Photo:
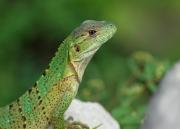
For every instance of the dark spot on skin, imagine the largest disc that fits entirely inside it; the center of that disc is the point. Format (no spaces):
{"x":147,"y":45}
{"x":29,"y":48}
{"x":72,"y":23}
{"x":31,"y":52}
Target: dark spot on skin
{"x":92,"y":32}
{"x":10,"y":106}
{"x":77,"y":48}
{"x":20,"y":109}
{"x":43,"y":108}
{"x":29,"y":91}
{"x":40,"y":102}
{"x":39,"y":97}
{"x":45,"y":72}
{"x":23,"y":118}
{"x":18,"y":101}
{"x":24,"y":126}
{"x":37,"y":91}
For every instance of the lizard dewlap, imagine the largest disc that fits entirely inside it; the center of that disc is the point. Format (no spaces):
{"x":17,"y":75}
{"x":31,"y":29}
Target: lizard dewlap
{"x":48,"y":99}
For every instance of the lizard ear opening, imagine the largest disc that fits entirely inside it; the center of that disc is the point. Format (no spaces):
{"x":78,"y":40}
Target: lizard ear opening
{"x":77,"y":48}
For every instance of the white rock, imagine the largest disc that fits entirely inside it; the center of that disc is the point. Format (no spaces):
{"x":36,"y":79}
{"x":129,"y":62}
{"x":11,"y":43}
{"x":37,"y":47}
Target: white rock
{"x":164,"y":109}
{"x":92,"y":114}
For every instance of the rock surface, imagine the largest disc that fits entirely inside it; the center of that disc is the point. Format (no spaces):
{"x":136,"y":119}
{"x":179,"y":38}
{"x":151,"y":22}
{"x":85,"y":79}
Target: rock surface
{"x":164,"y":108}
{"x":92,"y":114}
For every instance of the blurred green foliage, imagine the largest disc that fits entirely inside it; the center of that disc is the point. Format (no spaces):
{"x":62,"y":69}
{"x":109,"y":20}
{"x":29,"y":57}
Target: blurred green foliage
{"x":30,"y":32}
{"x":125,"y":93}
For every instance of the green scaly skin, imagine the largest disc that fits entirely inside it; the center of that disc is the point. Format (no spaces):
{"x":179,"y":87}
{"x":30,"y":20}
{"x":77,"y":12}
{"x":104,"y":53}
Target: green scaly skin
{"x":46,"y":102}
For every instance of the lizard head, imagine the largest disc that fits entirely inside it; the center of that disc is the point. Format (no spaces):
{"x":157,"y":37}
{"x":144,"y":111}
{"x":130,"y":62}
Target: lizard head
{"x":86,"y":40}
{"x":88,"y":37}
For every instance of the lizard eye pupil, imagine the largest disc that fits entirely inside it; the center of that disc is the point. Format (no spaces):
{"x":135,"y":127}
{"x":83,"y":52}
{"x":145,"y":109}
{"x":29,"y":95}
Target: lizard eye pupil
{"x":92,"y":32}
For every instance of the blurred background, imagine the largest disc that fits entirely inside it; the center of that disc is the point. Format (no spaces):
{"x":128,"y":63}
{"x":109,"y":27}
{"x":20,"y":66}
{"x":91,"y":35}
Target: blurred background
{"x":124,"y":73}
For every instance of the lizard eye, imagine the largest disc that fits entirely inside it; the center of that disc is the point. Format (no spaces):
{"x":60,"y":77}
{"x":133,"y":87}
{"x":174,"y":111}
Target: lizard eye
{"x":77,"y":48}
{"x":92,"y":32}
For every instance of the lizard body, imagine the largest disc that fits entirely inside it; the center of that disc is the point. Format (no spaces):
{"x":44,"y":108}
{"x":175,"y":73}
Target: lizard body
{"x":46,"y":102}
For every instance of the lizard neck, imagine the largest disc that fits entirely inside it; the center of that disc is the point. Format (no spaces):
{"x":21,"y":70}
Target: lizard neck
{"x":56,"y":69}
{"x":71,"y":71}
{"x":80,"y":66}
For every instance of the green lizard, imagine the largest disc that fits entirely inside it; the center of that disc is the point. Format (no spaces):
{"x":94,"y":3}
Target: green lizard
{"x":46,"y":102}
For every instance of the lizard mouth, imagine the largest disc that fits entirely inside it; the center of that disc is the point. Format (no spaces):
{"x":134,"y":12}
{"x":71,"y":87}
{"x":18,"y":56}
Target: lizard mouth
{"x":90,"y":52}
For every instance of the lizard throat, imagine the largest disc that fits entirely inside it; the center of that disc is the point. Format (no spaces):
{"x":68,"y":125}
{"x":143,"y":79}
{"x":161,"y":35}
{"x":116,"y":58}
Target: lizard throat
{"x":80,"y":66}
{"x":75,"y":72}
